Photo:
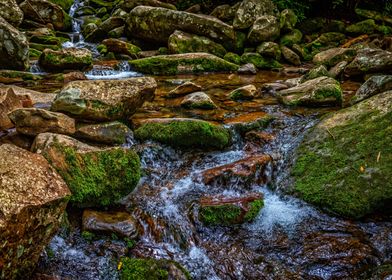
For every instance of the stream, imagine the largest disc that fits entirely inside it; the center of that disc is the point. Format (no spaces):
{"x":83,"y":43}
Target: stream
{"x":288,"y":240}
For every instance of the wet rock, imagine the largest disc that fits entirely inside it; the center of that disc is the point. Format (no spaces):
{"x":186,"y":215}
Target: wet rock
{"x":370,"y":61}
{"x":152,"y":269}
{"x":259,"y":61}
{"x":120,"y":223}
{"x":101,"y":31}
{"x":106,"y":133}
{"x":188,"y":63}
{"x":44,"y":12}
{"x":33,"y":198}
{"x":121,"y":47}
{"x":66,"y":59}
{"x":245,"y":172}
{"x":104,"y":100}
{"x":129,"y":5}
{"x":337,"y":71}
{"x":259,"y":137}
{"x":33,"y":121}
{"x":13,"y":76}
{"x":363,"y":27}
{"x":247,"y":69}
{"x":9,"y":101}
{"x":181,"y":42}
{"x":316,"y":72}
{"x":333,"y":56}
{"x":288,"y":20}
{"x":326,"y":41}
{"x":184,"y":89}
{"x":249,"y":121}
{"x":225,"y":12}
{"x":272,"y":88}
{"x":374,"y":85}
{"x":11,"y":12}
{"x":233,"y":58}
{"x":270,"y":49}
{"x":229,"y":211}
{"x":184,"y":133}
{"x":198,"y":100}
{"x":265,"y":28}
{"x":14,"y":47}
{"x":244,"y":93}
{"x":290,"y":56}
{"x":291,"y":38}
{"x":322,"y":91}
{"x":162,"y":23}
{"x":73,"y":76}
{"x":96,"y":177}
{"x":250,"y":10}
{"x":351,"y":149}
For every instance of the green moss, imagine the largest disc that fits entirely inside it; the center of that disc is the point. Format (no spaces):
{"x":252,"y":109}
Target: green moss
{"x":185,"y":134}
{"x":254,"y":210}
{"x":328,"y":172}
{"x":98,"y":178}
{"x":89,"y":236}
{"x":233,"y":58}
{"x":363,"y":27}
{"x":59,"y":61}
{"x":137,"y":269}
{"x":42,"y":47}
{"x":260,"y":61}
{"x":33,"y":53}
{"x":294,"y":37}
{"x":48,"y":40}
{"x":65,"y":4}
{"x":25,"y":76}
{"x":173,"y":65}
{"x":102,"y":49}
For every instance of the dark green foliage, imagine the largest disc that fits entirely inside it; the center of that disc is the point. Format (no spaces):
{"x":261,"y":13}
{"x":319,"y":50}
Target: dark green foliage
{"x":186,"y":134}
{"x":328,"y":172}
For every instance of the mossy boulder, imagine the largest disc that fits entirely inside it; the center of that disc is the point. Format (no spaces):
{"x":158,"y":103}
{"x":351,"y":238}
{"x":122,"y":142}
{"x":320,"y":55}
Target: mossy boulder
{"x":157,"y":24}
{"x":104,"y":100}
{"x":250,"y":10}
{"x":181,"y":42}
{"x":264,"y":29}
{"x":121,"y":47}
{"x":368,"y":26}
{"x":230,"y":211}
{"x":233,"y":58}
{"x":132,"y":269}
{"x":106,"y":133}
{"x":184,"y":133}
{"x":270,"y":49}
{"x":182,"y":64}
{"x":315,"y":72}
{"x":345,"y":162}
{"x":33,"y":198}
{"x":288,"y":20}
{"x":198,"y":100}
{"x":374,"y":85}
{"x":291,"y":38}
{"x":66,"y":59}
{"x":260,"y":61}
{"x":12,"y":76}
{"x":11,"y":12}
{"x":371,"y":14}
{"x":325,"y":41}
{"x":14,"y":47}
{"x":101,"y":30}
{"x":370,"y":61}
{"x":333,"y":56}
{"x":44,"y":12}
{"x":96,"y":177}
{"x":322,"y":91}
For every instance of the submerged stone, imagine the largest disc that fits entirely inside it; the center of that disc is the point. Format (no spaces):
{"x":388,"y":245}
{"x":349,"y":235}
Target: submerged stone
{"x":184,"y":133}
{"x":198,"y":100}
{"x":107,"y":133}
{"x":183,"y":89}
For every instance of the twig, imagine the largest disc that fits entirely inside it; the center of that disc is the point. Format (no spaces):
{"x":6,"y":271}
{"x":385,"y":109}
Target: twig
{"x":330,"y":133}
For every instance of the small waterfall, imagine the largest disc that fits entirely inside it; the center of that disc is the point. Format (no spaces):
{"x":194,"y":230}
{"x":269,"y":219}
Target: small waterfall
{"x":103,"y":72}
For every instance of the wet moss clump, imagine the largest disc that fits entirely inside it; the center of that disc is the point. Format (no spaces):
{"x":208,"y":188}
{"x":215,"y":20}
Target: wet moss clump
{"x":260,"y":61}
{"x":185,"y":134}
{"x":97,"y":178}
{"x":346,"y":168}
{"x":135,"y":269}
{"x":229,"y":214}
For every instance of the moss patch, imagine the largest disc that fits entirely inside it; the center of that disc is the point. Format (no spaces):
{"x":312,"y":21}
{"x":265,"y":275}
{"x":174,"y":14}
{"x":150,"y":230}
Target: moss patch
{"x":348,"y":170}
{"x":185,"y":134}
{"x":260,"y":61}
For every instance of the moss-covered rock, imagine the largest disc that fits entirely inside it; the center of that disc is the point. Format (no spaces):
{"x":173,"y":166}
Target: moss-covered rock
{"x":198,"y":100}
{"x":333,"y":56}
{"x":264,"y":29}
{"x":101,"y":31}
{"x":65,"y":59}
{"x":184,"y":133}
{"x":182,"y":64}
{"x":120,"y":47}
{"x":229,"y":211}
{"x":107,"y":133}
{"x":368,"y":26}
{"x":270,"y":49}
{"x":233,"y":58}
{"x":244,"y":93}
{"x":11,"y":76}
{"x":260,"y":61}
{"x":104,"y":100}
{"x":322,"y":91}
{"x":345,"y":162}
{"x":96,"y":177}
{"x":250,"y":10}
{"x":291,"y":38}
{"x":181,"y":42}
{"x":316,"y":72}
{"x":370,"y":61}
{"x":288,"y":20}
{"x":133,"y":269}
{"x":129,"y":5}
{"x":11,"y":12}
{"x":65,"y":4}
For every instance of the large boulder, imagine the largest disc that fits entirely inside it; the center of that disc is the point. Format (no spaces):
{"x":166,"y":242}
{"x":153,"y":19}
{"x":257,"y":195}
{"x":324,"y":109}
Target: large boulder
{"x":265,"y":28}
{"x":66,"y":59}
{"x":184,"y":133}
{"x":11,"y":12}
{"x":129,"y":5}
{"x":157,"y":24}
{"x":333,"y":56}
{"x":187,"y":63}
{"x":370,"y":61}
{"x":181,"y":42}
{"x":9,"y":101}
{"x":121,"y":47}
{"x":96,"y":177}
{"x":106,"y":133}
{"x":33,"y":121}
{"x":14,"y":47}
{"x":250,"y":10}
{"x":44,"y":12}
{"x":33,"y":198}
{"x":98,"y":33}
{"x":104,"y":100}
{"x":345,"y":162}
{"x":322,"y":91}
{"x":374,"y":85}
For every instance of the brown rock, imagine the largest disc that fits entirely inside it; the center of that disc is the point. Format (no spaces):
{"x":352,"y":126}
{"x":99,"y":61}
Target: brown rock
{"x":184,"y":89}
{"x":9,"y":101}
{"x":33,"y":198}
